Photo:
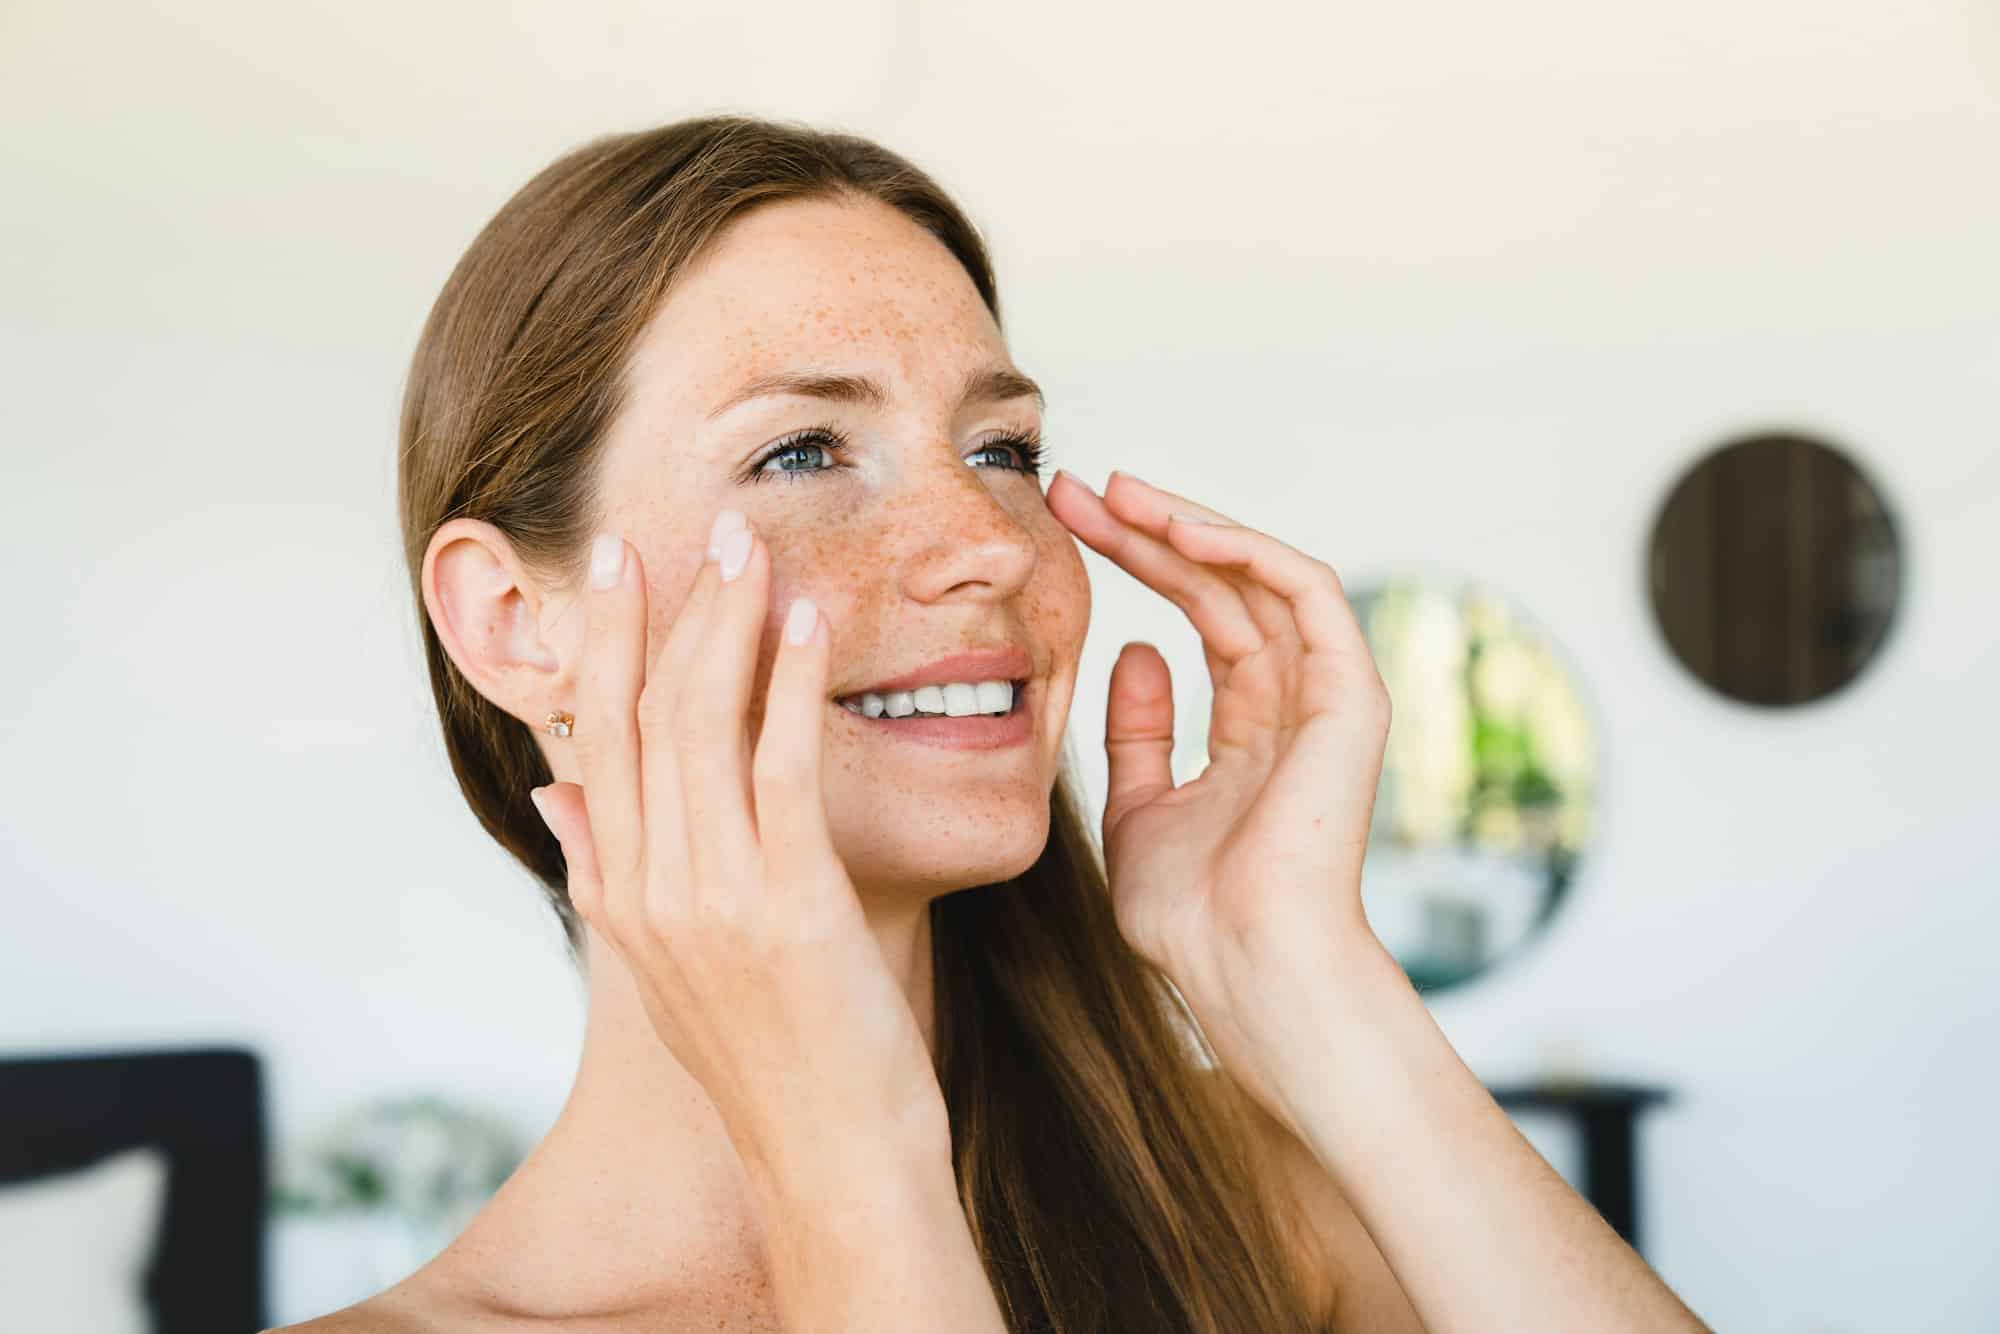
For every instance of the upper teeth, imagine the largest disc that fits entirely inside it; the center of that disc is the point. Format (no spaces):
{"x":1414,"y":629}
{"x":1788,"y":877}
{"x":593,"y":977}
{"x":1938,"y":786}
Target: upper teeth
{"x":954,"y":700}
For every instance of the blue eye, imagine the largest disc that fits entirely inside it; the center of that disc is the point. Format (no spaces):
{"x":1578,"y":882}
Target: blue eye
{"x":827,"y":439}
{"x":1027,"y":448}
{"x":824,"y":439}
{"x":783,"y":455}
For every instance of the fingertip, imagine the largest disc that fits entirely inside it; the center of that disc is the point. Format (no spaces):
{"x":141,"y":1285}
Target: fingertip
{"x":607,"y":560}
{"x":1078,"y":482}
{"x":539,"y":795}
{"x":563,"y":808}
{"x":801,"y":621}
{"x":734,"y":551}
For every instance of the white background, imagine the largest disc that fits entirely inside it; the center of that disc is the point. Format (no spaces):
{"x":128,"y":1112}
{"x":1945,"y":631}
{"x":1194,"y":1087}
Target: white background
{"x":1456,"y":288}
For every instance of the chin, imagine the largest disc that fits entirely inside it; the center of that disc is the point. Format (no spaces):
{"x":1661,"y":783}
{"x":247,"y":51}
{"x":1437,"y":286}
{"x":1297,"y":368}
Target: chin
{"x":933,"y":857}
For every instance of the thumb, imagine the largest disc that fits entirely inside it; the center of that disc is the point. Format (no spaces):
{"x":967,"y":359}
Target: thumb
{"x":1138,"y":732}
{"x":563,"y":811}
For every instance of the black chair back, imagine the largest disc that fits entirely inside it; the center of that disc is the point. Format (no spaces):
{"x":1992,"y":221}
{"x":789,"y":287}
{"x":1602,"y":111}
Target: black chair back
{"x":204,"y":1108}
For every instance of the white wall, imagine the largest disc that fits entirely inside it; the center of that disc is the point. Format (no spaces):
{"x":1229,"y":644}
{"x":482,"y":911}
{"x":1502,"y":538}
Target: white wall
{"x":1458,"y":288}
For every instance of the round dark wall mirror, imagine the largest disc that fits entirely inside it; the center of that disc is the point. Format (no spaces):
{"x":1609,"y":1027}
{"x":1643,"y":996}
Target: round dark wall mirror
{"x":1775,"y":570}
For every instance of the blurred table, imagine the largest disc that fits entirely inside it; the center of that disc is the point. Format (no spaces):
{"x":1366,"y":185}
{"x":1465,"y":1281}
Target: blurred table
{"x":1605,"y":1116}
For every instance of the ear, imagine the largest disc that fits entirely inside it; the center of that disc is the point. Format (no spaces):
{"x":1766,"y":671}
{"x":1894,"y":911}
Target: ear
{"x":489,"y":614}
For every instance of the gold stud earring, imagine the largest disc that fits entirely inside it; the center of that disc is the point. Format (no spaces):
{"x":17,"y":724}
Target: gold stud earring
{"x":559,"y":723}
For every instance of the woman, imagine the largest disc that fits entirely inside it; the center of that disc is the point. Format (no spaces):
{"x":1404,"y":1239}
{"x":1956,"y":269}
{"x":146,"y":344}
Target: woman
{"x":715,"y":476}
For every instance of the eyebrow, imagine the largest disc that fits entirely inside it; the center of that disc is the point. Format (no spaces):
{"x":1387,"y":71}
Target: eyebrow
{"x":992,"y":385}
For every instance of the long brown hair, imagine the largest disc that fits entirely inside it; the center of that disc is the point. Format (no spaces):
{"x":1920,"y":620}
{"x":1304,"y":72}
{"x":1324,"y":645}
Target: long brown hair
{"x":1109,"y":1181}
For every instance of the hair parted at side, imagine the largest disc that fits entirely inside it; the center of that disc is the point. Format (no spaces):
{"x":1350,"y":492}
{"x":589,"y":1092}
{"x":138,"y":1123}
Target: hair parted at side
{"x":1107,"y":1178}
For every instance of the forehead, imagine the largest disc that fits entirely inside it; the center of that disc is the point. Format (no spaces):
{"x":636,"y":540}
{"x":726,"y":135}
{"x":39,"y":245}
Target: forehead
{"x":843,"y":285}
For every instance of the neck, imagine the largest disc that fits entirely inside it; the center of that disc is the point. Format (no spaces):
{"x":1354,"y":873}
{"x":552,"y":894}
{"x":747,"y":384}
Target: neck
{"x":636,"y":1194}
{"x":624,"y":1062}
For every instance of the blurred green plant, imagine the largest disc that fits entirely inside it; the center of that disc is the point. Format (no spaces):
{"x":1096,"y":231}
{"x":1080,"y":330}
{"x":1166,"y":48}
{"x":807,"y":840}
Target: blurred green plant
{"x":417,"y":1157}
{"x":1499,"y":751}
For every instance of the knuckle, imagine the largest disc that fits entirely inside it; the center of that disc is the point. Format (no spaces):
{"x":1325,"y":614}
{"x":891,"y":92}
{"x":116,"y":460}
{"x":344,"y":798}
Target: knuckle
{"x":655,"y":705}
{"x":688,"y":729}
{"x":1381,"y":708}
{"x":662,"y":910}
{"x":686,"y":723}
{"x":1208,"y":600}
{"x":718,"y":911}
{"x":615,"y":919}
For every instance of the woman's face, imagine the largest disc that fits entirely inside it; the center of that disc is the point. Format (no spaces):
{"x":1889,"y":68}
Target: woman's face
{"x":920,"y":536}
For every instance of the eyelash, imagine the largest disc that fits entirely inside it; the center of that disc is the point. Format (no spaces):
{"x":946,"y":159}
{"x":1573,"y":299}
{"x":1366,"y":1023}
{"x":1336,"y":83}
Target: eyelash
{"x":829,"y":438}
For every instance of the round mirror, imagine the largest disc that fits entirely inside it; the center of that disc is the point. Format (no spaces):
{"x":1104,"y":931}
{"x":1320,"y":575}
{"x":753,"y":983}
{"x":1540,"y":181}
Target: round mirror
{"x":1489,"y":779}
{"x":1775,"y":570}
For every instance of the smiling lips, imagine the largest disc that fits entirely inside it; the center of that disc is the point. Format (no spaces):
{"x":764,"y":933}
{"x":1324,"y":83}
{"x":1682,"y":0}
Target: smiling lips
{"x":967,"y":701}
{"x":973,"y":731}
{"x":998,"y":662}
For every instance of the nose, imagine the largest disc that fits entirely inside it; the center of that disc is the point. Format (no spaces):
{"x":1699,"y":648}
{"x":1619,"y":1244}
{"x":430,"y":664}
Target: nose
{"x":969,"y":542}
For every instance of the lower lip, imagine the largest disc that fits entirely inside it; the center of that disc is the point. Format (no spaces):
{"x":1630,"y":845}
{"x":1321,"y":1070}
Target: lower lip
{"x":978,"y":731}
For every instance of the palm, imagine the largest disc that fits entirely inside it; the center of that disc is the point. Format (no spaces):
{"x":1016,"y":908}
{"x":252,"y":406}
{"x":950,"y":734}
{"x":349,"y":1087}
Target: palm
{"x":1258,"y":859}
{"x":1285,"y":801}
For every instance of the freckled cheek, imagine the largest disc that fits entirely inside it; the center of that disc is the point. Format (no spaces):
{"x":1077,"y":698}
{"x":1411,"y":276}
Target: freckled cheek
{"x":1061,"y":606}
{"x":827,"y":568}
{"x":663,"y":610}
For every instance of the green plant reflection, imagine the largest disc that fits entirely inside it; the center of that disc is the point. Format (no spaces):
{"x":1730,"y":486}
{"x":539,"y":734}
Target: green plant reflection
{"x":1488,"y":782}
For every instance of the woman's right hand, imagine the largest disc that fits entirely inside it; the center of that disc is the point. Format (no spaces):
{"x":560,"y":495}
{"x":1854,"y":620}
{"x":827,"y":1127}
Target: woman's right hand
{"x":704,"y":859}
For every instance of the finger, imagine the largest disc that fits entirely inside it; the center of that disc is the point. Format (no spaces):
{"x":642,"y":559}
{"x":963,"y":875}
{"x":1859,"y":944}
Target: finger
{"x":711,"y":726}
{"x":562,"y":809}
{"x":1309,"y":586}
{"x":1208,"y":599}
{"x":606,"y":732}
{"x":660,"y":705}
{"x":785,"y":771}
{"x":1147,"y":508}
{"x":1138,"y":732}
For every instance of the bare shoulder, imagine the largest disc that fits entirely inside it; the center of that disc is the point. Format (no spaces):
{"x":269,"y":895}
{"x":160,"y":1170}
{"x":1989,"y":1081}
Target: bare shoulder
{"x":442,"y":1299}
{"x":360,"y":1318}
{"x":399,"y":1310}
{"x":1351,"y":1279}
{"x":365,"y":1317}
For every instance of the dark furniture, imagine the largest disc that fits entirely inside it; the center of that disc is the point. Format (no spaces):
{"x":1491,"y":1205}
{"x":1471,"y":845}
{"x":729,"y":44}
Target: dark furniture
{"x":204,"y":1108}
{"x":1606,"y":1114}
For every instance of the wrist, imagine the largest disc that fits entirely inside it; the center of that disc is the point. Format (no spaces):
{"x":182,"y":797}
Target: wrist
{"x":1375,"y":1071}
{"x":1305,"y":1027}
{"x":826,"y":1171}
{"x":1290,"y":999}
{"x":861,"y":1213}
{"x":870,"y":1233}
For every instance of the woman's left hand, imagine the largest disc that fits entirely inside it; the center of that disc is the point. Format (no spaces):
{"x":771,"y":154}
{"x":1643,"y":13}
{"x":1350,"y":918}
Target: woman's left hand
{"x":1248,"y":876}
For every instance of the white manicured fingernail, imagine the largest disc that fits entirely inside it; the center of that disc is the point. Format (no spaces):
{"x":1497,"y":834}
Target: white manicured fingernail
{"x":607,"y":559}
{"x":725,"y":520}
{"x":799,"y":621}
{"x":735,"y":552}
